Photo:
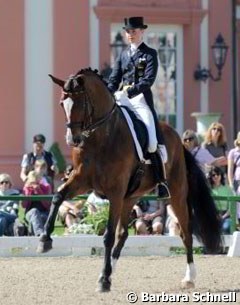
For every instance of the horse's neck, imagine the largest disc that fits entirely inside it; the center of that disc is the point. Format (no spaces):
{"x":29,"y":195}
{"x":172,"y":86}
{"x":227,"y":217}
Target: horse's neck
{"x":108,"y":133}
{"x":103,"y":104}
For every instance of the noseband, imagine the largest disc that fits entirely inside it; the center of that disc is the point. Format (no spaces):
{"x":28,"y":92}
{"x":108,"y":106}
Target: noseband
{"x":87,"y":126}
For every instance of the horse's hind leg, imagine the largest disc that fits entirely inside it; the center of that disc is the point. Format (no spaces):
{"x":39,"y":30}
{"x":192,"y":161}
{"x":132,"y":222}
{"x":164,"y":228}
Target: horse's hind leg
{"x":122,"y":231}
{"x":182,"y":214}
{"x":190,"y":275}
{"x":104,"y":281}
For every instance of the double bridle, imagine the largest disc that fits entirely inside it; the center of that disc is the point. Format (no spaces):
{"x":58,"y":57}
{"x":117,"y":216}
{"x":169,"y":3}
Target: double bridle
{"x":87,"y":126}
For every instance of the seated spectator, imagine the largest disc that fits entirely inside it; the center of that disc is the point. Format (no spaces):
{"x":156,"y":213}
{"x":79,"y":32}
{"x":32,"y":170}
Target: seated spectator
{"x":36,"y":212}
{"x":40,"y":167}
{"x":172,"y":225}
{"x":70,"y":213}
{"x":8,"y":208}
{"x":95,"y":203}
{"x":219,"y":188}
{"x":39,"y":153}
{"x":215,"y":141}
{"x":202,"y":155}
{"x":150,"y":217}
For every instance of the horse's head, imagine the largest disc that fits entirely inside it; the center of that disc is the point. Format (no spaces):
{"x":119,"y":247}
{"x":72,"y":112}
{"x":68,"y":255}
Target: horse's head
{"x":79,"y":95}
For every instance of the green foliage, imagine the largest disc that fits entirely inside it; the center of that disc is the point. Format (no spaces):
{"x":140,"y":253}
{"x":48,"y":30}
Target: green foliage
{"x":56,"y":151}
{"x":98,"y":220}
{"x":181,"y":250}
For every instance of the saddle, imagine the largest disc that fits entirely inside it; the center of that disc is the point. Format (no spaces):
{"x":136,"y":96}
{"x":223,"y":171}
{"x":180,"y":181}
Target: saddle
{"x":140,"y":130}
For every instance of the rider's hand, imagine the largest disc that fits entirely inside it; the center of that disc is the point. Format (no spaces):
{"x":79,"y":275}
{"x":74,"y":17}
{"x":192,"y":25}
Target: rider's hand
{"x":125,"y":88}
{"x":120,"y":95}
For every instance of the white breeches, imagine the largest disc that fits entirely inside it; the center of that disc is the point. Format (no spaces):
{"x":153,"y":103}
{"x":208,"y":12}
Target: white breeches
{"x":139,"y":106}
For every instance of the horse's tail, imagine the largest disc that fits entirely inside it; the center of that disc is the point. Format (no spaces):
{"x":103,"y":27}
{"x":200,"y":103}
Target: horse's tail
{"x":205,"y":221}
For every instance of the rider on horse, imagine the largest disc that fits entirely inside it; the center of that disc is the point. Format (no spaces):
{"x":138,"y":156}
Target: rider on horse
{"x":136,"y":68}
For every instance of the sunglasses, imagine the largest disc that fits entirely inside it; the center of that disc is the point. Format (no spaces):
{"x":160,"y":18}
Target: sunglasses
{"x":4,"y":182}
{"x":188,"y":139}
{"x":215,"y":175}
{"x":217,"y":129}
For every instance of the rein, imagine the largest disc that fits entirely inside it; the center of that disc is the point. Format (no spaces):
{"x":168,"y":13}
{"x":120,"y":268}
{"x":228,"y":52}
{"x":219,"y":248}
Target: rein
{"x":92,"y":127}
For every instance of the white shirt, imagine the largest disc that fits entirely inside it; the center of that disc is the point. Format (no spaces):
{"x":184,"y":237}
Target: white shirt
{"x":96,"y":200}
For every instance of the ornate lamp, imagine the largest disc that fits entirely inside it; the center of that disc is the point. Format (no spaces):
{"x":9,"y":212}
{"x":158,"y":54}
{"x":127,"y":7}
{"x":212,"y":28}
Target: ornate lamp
{"x":219,"y":52}
{"x":165,"y":53}
{"x":118,"y":45}
{"x":116,"y":48}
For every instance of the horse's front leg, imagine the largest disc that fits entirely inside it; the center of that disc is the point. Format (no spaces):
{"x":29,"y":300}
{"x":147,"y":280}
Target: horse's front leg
{"x":45,"y":242}
{"x":104,"y":281}
{"x":68,"y":188}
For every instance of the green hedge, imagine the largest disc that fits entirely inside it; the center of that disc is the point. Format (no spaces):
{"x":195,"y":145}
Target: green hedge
{"x":56,"y":151}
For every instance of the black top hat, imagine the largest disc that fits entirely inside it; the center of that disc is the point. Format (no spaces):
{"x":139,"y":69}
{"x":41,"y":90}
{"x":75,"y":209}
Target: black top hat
{"x":39,"y":138}
{"x":134,"y":23}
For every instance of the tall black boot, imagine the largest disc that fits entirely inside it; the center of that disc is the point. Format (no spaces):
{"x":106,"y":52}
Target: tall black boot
{"x":160,"y":175}
{"x":162,"y":150}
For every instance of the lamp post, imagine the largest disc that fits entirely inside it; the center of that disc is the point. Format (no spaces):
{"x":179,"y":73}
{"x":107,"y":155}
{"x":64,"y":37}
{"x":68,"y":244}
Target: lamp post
{"x":165,"y":54}
{"x":219,"y":52}
{"x":116,"y":48}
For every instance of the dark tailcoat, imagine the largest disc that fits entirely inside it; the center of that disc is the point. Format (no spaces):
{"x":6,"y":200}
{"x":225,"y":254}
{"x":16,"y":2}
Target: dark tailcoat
{"x":139,"y":71}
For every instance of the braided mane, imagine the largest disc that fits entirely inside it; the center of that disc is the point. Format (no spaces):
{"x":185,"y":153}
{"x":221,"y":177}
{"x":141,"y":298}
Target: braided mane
{"x":95,"y":71}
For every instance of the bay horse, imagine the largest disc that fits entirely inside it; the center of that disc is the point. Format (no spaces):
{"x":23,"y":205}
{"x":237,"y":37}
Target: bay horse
{"x":105,"y":160}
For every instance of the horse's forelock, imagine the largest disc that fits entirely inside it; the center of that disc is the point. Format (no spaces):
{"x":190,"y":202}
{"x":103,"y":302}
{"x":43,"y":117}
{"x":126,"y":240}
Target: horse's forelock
{"x":72,"y":83}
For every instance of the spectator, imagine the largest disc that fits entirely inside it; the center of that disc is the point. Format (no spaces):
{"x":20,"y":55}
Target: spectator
{"x":36,"y":212}
{"x":150,"y":217}
{"x":38,"y":153}
{"x":172,"y":225}
{"x":40,"y":167}
{"x":8,"y":208}
{"x":234,"y":165}
{"x":202,"y":155}
{"x":95,"y":202}
{"x":70,"y":213}
{"x":219,"y":188}
{"x":215,"y":142}
{"x":234,"y":170}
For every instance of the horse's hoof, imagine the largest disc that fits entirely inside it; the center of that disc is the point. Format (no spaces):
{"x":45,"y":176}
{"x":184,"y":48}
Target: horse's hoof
{"x":44,"y":245}
{"x":104,"y":284}
{"x":187,"y":284}
{"x":104,"y":287}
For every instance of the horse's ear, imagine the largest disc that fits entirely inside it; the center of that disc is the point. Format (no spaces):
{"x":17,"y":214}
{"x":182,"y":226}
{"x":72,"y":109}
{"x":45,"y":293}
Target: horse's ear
{"x":57,"y":81}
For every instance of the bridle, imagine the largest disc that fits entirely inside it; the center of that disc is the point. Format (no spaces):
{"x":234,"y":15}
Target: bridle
{"x":87,"y":126}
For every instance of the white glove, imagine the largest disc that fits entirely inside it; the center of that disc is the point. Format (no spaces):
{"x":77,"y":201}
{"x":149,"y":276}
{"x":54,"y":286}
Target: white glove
{"x":120,"y":95}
